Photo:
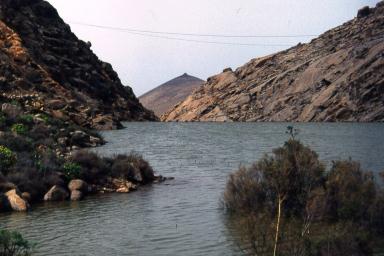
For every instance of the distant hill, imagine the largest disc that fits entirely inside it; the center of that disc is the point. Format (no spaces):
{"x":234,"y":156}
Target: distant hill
{"x":164,"y":97}
{"x":338,"y":76}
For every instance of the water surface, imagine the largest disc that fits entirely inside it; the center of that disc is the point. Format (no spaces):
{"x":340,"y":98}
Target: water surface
{"x":183,"y":216}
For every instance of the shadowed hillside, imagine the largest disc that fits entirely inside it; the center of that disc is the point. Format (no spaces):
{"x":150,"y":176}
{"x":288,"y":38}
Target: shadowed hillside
{"x":45,"y":66}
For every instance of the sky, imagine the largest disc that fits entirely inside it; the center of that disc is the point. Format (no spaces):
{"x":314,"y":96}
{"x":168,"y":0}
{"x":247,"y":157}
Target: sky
{"x":144,"y":62}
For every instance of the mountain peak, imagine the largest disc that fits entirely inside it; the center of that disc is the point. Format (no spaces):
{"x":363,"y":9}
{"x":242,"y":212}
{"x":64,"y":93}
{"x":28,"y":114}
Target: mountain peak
{"x":165,"y":96}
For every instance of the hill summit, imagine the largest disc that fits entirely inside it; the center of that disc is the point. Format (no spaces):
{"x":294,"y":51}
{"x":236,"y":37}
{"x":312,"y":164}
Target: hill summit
{"x":164,"y":97}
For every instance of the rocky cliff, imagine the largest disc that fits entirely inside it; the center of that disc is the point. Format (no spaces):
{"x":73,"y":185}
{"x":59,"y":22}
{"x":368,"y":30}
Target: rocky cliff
{"x":164,"y":97}
{"x":47,"y":68}
{"x":338,"y":76}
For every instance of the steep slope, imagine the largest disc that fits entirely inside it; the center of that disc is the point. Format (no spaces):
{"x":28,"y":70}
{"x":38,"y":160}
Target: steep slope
{"x":164,"y":97}
{"x":44,"y":65}
{"x":338,"y":76}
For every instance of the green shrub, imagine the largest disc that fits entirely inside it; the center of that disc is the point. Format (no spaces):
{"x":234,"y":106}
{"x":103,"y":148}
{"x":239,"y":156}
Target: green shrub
{"x":7,"y":159}
{"x":26,"y":119}
{"x":19,"y":129}
{"x":16,"y":143}
{"x":45,"y":117}
{"x":287,"y":203}
{"x":12,"y":243}
{"x":72,"y":170}
{"x":288,"y":175}
{"x":350,"y":191}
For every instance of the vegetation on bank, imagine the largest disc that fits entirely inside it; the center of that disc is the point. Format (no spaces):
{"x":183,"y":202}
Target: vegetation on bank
{"x":12,"y":243}
{"x":288,"y":204}
{"x":39,"y":152}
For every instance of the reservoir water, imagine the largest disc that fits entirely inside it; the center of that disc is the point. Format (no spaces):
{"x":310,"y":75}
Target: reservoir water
{"x":181,"y":216}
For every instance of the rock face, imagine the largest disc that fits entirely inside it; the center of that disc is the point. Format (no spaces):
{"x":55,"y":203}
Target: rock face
{"x":338,"y":76}
{"x":78,"y":189}
{"x":56,"y":193}
{"x":43,"y":64}
{"x":164,"y":97}
{"x":15,"y":201}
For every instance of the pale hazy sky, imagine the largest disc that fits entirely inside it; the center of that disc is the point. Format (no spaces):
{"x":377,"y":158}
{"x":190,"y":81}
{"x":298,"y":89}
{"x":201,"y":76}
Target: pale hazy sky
{"x":146,"y":62}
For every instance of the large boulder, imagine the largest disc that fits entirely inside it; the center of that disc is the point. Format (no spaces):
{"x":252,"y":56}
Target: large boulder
{"x":56,"y":104}
{"x":15,"y":201}
{"x":103,"y":122}
{"x":26,"y":196}
{"x":6,"y":186}
{"x":79,"y":185}
{"x":363,"y":12}
{"x":76,"y":195}
{"x":56,"y":193}
{"x":80,"y":138}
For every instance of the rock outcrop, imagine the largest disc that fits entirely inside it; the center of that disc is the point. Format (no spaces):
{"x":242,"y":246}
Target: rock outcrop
{"x":164,"y":97}
{"x":338,"y":76}
{"x":45,"y":66}
{"x":56,"y":193}
{"x":15,"y":201}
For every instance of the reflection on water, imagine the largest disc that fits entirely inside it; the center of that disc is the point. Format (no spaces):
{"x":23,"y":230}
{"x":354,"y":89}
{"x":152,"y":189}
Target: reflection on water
{"x":182,"y":216}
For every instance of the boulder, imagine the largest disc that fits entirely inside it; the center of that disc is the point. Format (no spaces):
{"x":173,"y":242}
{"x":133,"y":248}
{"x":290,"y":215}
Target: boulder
{"x":56,"y":104}
{"x":95,"y":141}
{"x":6,"y":186}
{"x":15,"y":201}
{"x":59,"y":114}
{"x":63,"y":141}
{"x":123,"y":186}
{"x":76,"y":195}
{"x":363,"y":12}
{"x":56,"y":193}
{"x":79,"y":185}
{"x":103,"y":122}
{"x":26,"y":196}
{"x":11,"y":110}
{"x":80,"y":138}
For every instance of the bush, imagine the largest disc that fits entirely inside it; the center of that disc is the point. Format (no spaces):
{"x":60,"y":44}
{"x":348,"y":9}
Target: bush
{"x":94,"y":169}
{"x":288,"y":205}
{"x":72,"y":170}
{"x":16,"y":143}
{"x":132,"y":167}
{"x":350,"y":192}
{"x":289,"y":175}
{"x":7,"y":159}
{"x":26,"y":119}
{"x":34,"y":182}
{"x":12,"y":243}
{"x":19,"y":129}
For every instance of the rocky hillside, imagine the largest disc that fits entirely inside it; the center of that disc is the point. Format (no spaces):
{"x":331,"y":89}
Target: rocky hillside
{"x":164,"y":97}
{"x":338,"y":76}
{"x":47,"y":68}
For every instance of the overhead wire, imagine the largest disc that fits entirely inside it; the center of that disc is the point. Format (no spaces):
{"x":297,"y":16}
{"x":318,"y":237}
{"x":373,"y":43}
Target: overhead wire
{"x":167,"y":35}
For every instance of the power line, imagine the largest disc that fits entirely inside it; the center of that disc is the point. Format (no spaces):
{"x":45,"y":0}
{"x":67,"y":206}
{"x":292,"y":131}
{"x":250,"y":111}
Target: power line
{"x":207,"y":42}
{"x":191,"y":34}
